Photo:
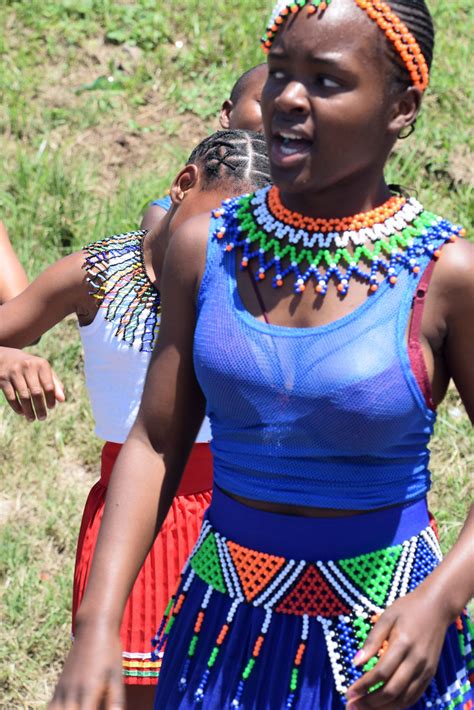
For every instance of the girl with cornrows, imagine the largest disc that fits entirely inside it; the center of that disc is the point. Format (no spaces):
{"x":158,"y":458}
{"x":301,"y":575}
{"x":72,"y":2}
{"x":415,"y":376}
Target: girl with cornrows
{"x":240,"y":111}
{"x":112,"y":287}
{"x":316,"y":581}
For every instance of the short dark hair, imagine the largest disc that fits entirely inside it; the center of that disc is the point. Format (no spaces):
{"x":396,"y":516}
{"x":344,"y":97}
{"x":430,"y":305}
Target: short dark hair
{"x":235,"y":155}
{"x":241,"y":84}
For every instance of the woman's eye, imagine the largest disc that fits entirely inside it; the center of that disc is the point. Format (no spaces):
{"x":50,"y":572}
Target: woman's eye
{"x":328,"y":83}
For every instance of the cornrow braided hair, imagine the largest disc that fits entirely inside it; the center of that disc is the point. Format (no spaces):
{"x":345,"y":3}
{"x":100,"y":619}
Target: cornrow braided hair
{"x":236,"y":155}
{"x":417,"y":18}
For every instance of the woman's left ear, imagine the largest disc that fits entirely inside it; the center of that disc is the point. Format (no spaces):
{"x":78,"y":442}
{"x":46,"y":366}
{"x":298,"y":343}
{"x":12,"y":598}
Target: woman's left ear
{"x":405,"y":110}
{"x":186,"y":179}
{"x":224,"y":116}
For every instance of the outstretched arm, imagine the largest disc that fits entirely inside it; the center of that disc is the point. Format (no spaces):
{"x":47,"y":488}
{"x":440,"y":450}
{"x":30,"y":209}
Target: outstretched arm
{"x":12,"y":275}
{"x":60,"y":290}
{"x":143,"y":483}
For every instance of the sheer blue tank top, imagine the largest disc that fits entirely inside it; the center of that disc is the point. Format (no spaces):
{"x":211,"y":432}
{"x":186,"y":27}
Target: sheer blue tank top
{"x":328,"y":417}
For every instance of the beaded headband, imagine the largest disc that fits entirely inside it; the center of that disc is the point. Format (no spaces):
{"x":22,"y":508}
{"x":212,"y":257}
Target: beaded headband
{"x":380,"y":12}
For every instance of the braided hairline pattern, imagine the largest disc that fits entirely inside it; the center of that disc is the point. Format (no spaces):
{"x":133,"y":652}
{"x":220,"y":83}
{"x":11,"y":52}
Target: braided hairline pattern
{"x":414,"y":14}
{"x":236,"y":155}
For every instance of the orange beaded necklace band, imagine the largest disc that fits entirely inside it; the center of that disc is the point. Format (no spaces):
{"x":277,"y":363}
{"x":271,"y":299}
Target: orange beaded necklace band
{"x":380,"y":12}
{"x":356,"y":222}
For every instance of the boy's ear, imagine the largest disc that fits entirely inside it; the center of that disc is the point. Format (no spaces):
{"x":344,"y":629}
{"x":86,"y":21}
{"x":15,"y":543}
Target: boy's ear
{"x":224,"y":117}
{"x":405,"y":109}
{"x":186,"y":179}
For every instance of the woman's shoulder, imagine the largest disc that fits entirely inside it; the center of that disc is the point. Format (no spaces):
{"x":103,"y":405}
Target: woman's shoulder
{"x":451,"y":291}
{"x":192,"y":236}
{"x":455,"y":268}
{"x":187,"y":250}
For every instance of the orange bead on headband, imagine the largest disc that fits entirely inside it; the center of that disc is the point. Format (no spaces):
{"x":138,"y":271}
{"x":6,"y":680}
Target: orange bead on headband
{"x":380,"y":12}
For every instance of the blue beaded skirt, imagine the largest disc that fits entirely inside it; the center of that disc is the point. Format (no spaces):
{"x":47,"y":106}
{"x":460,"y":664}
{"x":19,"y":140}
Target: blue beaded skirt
{"x":271,"y":609}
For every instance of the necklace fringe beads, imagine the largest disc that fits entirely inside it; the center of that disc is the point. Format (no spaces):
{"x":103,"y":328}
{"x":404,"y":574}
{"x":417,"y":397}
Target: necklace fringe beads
{"x":117,"y":278}
{"x":371,"y":246}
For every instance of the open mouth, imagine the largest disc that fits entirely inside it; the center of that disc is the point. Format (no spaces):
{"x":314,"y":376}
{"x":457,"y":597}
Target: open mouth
{"x":289,"y":147}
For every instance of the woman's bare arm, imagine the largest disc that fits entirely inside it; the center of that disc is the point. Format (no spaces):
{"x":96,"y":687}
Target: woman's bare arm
{"x":60,"y":290}
{"x":415,"y":625}
{"x":13,"y":279}
{"x":457,"y":301}
{"x":144,"y":480}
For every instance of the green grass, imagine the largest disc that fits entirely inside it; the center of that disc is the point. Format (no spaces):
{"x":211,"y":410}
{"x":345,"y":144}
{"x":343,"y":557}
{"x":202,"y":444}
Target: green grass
{"x":82,"y":156}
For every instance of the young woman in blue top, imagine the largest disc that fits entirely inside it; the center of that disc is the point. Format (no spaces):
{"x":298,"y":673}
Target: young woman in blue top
{"x":240,"y":111}
{"x":316,"y":581}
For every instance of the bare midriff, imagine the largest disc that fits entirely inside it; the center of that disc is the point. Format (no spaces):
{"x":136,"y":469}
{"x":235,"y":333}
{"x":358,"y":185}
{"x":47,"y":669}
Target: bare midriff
{"x":299,"y":510}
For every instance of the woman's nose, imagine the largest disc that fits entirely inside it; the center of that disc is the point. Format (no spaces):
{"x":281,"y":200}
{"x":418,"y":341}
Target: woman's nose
{"x":293,"y":98}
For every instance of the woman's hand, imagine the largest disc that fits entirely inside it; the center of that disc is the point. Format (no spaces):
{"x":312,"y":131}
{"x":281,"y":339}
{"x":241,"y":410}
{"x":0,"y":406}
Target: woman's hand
{"x":29,"y":383}
{"x":409,"y":637}
{"x":92,"y":673}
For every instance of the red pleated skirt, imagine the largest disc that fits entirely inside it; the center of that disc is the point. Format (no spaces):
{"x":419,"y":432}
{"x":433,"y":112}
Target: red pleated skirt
{"x":158,"y":578}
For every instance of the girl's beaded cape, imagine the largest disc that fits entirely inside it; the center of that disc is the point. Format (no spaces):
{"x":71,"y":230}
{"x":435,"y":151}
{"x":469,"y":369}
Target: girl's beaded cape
{"x":371,"y":247}
{"x":118,"y":280}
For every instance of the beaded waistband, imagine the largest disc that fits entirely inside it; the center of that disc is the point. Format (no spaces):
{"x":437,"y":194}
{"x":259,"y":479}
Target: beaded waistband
{"x":345,"y":596}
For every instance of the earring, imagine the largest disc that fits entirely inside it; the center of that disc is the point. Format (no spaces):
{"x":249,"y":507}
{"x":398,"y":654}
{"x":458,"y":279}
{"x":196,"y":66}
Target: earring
{"x":406,"y":132}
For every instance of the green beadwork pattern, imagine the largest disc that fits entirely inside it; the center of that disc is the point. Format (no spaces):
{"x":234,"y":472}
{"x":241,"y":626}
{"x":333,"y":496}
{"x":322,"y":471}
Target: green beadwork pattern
{"x":318,"y":257}
{"x":370,"y":254}
{"x":364,"y":585}
{"x":205,"y":562}
{"x":373,"y":573}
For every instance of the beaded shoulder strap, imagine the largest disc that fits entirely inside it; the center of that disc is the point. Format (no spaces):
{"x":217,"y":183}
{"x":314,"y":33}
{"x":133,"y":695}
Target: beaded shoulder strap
{"x":118,"y":280}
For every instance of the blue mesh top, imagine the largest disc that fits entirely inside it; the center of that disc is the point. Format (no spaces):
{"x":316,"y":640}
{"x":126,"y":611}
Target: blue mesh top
{"x":329,"y":416}
{"x":164,"y":202}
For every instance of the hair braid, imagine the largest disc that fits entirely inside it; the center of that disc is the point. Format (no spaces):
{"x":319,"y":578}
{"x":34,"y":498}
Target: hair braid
{"x":417,"y":17}
{"x":236,"y":155}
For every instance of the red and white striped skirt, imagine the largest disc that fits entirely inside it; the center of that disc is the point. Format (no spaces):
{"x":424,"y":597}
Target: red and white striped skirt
{"x":158,"y":578}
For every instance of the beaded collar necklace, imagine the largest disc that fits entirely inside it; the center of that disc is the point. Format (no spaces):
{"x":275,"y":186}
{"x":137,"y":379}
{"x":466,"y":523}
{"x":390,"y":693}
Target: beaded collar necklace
{"x":118,"y":279}
{"x":371,"y":246}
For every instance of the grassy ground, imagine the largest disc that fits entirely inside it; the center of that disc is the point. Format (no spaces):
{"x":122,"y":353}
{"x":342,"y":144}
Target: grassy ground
{"x":101,"y":101}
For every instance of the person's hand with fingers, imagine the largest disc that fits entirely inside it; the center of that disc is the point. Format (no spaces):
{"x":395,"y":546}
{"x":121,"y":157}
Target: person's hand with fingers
{"x":29,"y":384}
{"x":408,"y":637}
{"x":92,"y":675}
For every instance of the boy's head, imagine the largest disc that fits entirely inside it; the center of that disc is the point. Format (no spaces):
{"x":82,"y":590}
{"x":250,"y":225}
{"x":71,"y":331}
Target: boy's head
{"x":226,"y":164}
{"x":242,"y":109}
